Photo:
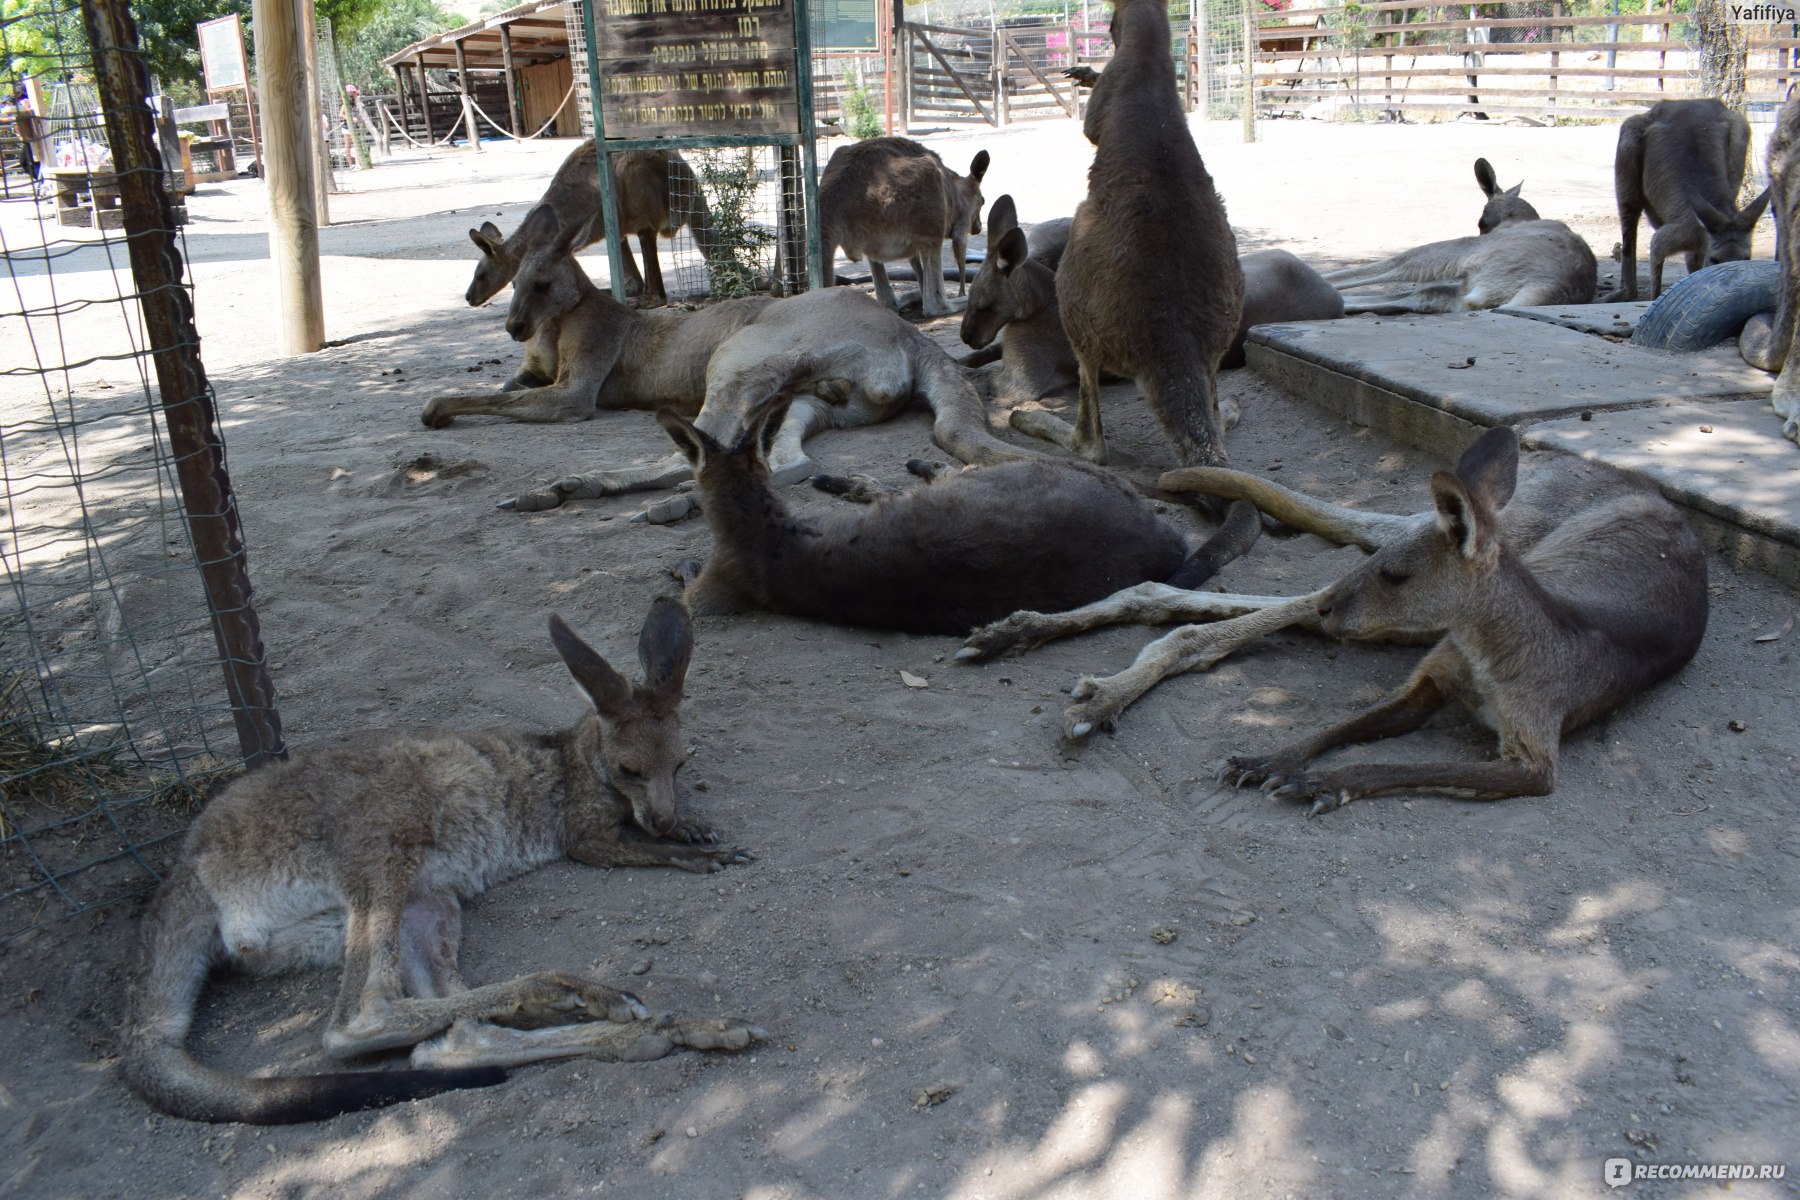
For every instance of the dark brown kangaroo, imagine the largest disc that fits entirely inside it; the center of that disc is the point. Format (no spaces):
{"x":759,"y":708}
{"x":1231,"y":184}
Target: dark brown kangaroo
{"x":1681,"y":164}
{"x":1149,"y":287}
{"x":937,"y":559}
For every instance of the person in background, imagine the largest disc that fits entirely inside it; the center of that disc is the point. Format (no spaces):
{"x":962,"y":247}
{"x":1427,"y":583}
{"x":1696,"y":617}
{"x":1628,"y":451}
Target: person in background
{"x":26,"y":123}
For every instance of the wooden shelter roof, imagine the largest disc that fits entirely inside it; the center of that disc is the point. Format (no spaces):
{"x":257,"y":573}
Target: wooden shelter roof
{"x":536,"y":28}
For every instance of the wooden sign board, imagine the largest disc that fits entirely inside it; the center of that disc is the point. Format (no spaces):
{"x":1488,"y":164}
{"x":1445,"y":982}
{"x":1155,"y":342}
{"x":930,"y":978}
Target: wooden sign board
{"x":222,"y":53}
{"x":697,"y":67}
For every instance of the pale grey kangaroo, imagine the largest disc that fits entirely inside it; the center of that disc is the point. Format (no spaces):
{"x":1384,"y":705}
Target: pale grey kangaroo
{"x":1766,"y":343}
{"x":890,"y":198}
{"x":658,"y":194}
{"x":936,"y":559}
{"x":1551,"y":604}
{"x":1681,"y":164}
{"x":1149,"y":286}
{"x":365,"y":852}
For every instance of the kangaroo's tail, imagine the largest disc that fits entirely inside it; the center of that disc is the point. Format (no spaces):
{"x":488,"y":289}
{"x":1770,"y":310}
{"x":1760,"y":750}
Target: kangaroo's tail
{"x":181,"y":943}
{"x":1345,"y":526}
{"x":1233,"y":539}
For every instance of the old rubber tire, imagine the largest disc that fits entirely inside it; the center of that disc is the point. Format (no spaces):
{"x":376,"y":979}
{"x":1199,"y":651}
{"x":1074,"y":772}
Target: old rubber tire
{"x":1709,"y":306}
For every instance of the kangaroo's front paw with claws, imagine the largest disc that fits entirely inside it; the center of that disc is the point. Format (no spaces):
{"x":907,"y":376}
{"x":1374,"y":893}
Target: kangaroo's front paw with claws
{"x":1288,"y":782}
{"x":694,"y":834}
{"x":1016,"y":632}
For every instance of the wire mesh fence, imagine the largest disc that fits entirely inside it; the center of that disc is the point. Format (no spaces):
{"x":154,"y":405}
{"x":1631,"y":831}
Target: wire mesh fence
{"x":131,"y":666}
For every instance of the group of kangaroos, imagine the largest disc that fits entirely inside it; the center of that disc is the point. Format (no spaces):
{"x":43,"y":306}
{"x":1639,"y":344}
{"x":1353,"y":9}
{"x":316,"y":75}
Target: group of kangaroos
{"x":1550,"y":590}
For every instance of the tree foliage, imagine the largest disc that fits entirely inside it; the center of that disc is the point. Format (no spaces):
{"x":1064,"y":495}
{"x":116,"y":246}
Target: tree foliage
{"x":391,"y":25}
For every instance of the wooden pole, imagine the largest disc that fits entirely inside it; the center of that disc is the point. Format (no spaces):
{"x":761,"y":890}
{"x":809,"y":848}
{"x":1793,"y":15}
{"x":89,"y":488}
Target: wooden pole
{"x":400,"y":74}
{"x":471,"y":126}
{"x":424,"y":98}
{"x":512,"y":81}
{"x":288,"y":165}
{"x":321,"y":145}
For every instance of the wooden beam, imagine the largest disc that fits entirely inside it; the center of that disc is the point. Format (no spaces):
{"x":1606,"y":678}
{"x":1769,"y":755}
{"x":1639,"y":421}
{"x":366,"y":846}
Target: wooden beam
{"x":425,"y":99}
{"x":288,"y":166}
{"x":512,"y":82}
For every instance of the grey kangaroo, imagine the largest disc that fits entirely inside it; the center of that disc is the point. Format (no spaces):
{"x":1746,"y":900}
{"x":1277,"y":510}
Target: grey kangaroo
{"x":1681,"y":164}
{"x":861,"y":363}
{"x":890,"y":198}
{"x":658,"y":194}
{"x":1554,"y":595}
{"x":1770,"y":344}
{"x":1149,"y":286}
{"x":937,"y":559}
{"x":1013,"y":298}
{"x":363,"y":853}
{"x":1517,"y":259}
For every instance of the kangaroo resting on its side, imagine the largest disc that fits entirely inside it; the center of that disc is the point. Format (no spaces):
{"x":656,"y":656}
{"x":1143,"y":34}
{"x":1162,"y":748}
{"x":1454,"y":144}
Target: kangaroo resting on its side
{"x":658,"y":193}
{"x":937,"y":559}
{"x":1149,"y":286}
{"x":1768,"y":344}
{"x":1555,"y":595}
{"x":1014,"y":298}
{"x":1681,"y":164}
{"x":365,"y":852}
{"x":1518,"y":259}
{"x":861,"y":363}
{"x":889,"y":198}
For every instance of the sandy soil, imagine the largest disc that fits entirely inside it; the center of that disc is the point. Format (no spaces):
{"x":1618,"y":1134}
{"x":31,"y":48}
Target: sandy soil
{"x":992,"y":965}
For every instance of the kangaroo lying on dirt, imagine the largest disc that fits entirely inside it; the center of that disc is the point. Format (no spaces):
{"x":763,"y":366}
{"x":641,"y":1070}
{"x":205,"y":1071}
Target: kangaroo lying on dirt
{"x":862,"y":363}
{"x":364,"y":853}
{"x":658,"y":193}
{"x":1770,"y":344}
{"x":1681,"y":164}
{"x":1518,"y":259}
{"x":937,"y":559}
{"x":890,"y":198}
{"x":1014,"y":298}
{"x":1551,"y":605}
{"x":1149,"y":286}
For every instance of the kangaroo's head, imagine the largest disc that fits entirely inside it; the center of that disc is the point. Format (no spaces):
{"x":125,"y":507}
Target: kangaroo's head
{"x":1420,"y":583}
{"x":1729,"y":232}
{"x":994,"y":301}
{"x":743,"y":463}
{"x":496,"y":269}
{"x":1503,"y":207}
{"x":550,"y":282}
{"x":964,"y":195}
{"x":640,"y":723}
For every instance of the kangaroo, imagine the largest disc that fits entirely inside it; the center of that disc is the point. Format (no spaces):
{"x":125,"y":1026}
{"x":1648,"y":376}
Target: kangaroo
{"x":1681,"y":164}
{"x":1769,"y":344}
{"x":1014,"y":298}
{"x":1149,"y":286}
{"x":890,"y":198}
{"x":937,"y":559}
{"x":861,"y":363}
{"x":658,"y":193}
{"x":364,"y":853}
{"x":1553,"y":594}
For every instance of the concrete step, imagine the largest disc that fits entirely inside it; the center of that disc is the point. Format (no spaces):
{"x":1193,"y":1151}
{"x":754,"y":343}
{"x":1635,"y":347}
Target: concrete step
{"x":1699,"y":426}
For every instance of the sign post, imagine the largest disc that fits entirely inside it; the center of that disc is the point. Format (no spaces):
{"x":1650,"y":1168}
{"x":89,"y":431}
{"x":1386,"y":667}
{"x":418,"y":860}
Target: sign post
{"x":225,"y":68}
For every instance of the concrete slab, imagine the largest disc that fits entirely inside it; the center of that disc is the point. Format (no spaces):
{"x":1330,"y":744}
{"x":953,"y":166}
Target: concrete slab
{"x":1601,"y":320}
{"x":1726,"y":461}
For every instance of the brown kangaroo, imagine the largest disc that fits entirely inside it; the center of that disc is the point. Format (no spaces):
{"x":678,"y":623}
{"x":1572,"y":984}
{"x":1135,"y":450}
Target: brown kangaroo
{"x":1551,"y":603}
{"x":861,"y":363}
{"x":658,"y":193}
{"x":890,"y":198}
{"x":1770,"y":344}
{"x":937,"y":559}
{"x":1681,"y":164}
{"x":365,"y":852}
{"x":1149,"y":286}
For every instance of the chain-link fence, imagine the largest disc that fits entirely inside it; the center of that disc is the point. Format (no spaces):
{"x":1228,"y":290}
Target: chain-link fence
{"x":131,"y":666}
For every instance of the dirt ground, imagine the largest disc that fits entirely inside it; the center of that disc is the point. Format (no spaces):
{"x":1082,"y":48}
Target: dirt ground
{"x":991,"y":964}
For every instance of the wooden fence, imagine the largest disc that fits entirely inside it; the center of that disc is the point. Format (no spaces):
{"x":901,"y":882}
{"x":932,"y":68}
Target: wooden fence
{"x":998,"y":74}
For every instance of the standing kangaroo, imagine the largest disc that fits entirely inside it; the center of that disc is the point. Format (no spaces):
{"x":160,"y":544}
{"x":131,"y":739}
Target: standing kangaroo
{"x":658,"y":194}
{"x":1014,"y":298}
{"x":937,"y":559}
{"x":365,"y":852}
{"x":1554,"y":594}
{"x":1768,"y":344}
{"x":1681,"y":164}
{"x":861,"y":363}
{"x":890,"y":198}
{"x":1149,"y":286}
{"x":1518,"y":259}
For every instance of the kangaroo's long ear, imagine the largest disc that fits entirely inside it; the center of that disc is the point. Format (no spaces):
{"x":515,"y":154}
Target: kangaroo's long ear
{"x":609,"y":690}
{"x":978,"y":167}
{"x":1753,"y":211}
{"x":1514,"y":190}
{"x":693,"y":443}
{"x":765,"y":425}
{"x":665,"y":647}
{"x":1484,"y":175}
{"x":542,"y":226}
{"x":1011,"y":250}
{"x":1468,"y":523}
{"x":1003,"y":215}
{"x":1715,"y":221}
{"x":487,"y":239}
{"x":1490,"y":467}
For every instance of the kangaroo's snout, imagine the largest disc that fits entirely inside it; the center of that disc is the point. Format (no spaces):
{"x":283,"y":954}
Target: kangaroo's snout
{"x":517,"y":329}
